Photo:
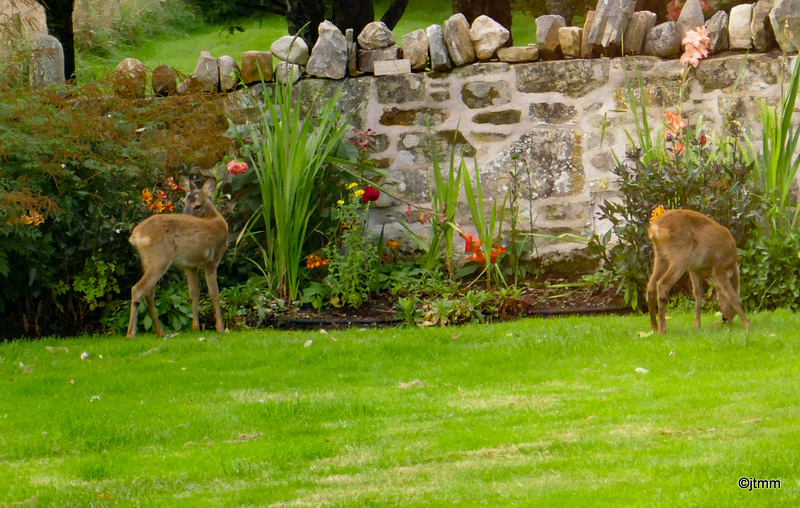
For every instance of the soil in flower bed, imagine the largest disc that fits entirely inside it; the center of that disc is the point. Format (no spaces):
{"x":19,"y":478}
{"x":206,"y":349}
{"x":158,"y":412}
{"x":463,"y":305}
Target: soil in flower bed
{"x":556,"y":296}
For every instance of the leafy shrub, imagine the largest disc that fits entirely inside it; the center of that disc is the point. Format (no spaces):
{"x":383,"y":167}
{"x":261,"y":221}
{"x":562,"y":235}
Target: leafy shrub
{"x":76,"y":159}
{"x":709,"y":177}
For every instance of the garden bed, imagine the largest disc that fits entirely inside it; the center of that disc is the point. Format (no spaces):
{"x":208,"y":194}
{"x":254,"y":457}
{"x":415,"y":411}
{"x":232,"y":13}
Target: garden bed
{"x":552,"y":297}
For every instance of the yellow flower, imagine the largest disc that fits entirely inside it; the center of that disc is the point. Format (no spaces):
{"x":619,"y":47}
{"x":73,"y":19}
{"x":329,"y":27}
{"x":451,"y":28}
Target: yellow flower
{"x":658,"y":212}
{"x":354,"y":184}
{"x":358,"y":193}
{"x":340,"y":202}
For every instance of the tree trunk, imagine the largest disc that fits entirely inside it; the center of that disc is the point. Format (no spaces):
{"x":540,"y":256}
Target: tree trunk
{"x":355,"y":14}
{"x":59,"y":24}
{"x":304,"y":17}
{"x":394,"y":13}
{"x":498,"y":10}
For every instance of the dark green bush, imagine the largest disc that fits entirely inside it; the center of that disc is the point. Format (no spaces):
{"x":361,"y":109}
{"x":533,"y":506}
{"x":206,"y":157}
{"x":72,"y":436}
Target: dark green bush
{"x":79,"y":158}
{"x":709,"y":178}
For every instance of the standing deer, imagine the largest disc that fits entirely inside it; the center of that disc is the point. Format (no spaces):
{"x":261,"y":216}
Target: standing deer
{"x":686,"y":240}
{"x":195,"y":239}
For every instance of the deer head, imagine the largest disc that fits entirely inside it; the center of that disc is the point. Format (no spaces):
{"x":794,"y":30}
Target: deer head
{"x":683,"y":241}
{"x":195,"y":239}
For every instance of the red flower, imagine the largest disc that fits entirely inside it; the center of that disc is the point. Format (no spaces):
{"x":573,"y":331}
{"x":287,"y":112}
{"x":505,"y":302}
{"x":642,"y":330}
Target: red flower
{"x":477,"y":256}
{"x":370,"y":195}
{"x":314,"y":261}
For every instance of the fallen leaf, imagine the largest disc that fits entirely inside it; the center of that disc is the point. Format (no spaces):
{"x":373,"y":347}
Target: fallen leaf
{"x":669,"y":432}
{"x":640,"y":370}
{"x":308,"y":343}
{"x":672,"y":353}
{"x":642,"y":335}
{"x":593,"y":415}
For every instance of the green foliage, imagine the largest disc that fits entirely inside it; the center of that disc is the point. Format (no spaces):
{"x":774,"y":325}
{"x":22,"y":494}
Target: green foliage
{"x":438,"y":248}
{"x":72,"y":166}
{"x":489,"y":231}
{"x":173,"y":306}
{"x":778,"y":162}
{"x":352,"y":257}
{"x":709,"y":178}
{"x":247,"y":305}
{"x":289,"y":155}
{"x":409,"y":311}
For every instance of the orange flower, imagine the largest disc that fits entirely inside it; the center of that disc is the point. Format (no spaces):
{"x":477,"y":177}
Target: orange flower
{"x":314,"y":261}
{"x":161,"y":195}
{"x":675,"y":123}
{"x":159,"y":206}
{"x":169,"y":206}
{"x":658,"y":212}
{"x":170,"y":182}
{"x":147,"y":196}
{"x":393,"y":244}
{"x":477,"y":256}
{"x":497,"y":250}
{"x":696,"y":45}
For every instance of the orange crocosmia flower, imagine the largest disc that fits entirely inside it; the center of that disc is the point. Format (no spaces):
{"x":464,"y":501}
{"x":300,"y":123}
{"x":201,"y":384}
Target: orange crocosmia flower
{"x":679,"y":147}
{"x":169,"y":206}
{"x":160,"y":194}
{"x":26,"y":219}
{"x":147,"y":196}
{"x":159,"y":206}
{"x":393,"y":244}
{"x":170,"y":182}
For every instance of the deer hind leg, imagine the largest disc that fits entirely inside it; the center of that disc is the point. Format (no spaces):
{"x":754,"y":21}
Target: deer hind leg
{"x":697,"y":287}
{"x":727,"y":285}
{"x":213,"y":291}
{"x":145,"y":289}
{"x":659,"y":267}
{"x":663,"y":287}
{"x":194,"y":291}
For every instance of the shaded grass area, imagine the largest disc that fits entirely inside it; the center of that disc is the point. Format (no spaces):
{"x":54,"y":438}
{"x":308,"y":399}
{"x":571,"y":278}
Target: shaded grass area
{"x":181,"y":52}
{"x":545,"y":412}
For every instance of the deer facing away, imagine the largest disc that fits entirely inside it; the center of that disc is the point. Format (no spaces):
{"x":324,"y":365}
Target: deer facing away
{"x":195,"y":239}
{"x":683,"y":241}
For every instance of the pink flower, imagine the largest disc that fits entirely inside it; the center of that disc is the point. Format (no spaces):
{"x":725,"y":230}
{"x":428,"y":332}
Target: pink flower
{"x":696,"y":45}
{"x":237,"y":168}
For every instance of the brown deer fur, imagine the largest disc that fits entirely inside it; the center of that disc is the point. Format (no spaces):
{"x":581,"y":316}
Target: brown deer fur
{"x":683,"y":241}
{"x":195,"y":239}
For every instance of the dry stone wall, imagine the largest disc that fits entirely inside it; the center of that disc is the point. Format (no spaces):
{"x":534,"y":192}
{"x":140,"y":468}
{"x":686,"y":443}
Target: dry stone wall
{"x":559,"y":124}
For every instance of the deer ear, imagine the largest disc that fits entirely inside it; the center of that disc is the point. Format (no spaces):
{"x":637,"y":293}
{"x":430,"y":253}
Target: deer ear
{"x":185,"y":184}
{"x":210,"y":186}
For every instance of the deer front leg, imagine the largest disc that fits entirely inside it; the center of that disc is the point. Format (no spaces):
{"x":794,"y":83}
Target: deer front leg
{"x":194,"y":291}
{"x":652,"y":290}
{"x":213,"y":291}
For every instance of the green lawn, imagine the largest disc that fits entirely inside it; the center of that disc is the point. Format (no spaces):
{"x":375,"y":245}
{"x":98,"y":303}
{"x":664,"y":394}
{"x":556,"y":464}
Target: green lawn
{"x":538,"y":412}
{"x":181,"y":52}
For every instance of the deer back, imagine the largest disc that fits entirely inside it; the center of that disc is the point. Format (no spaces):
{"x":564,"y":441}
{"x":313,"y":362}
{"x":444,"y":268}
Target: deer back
{"x":682,"y":234}
{"x":198,"y":237}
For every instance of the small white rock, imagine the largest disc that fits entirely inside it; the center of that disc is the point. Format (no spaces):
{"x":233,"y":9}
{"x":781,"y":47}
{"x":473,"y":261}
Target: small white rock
{"x":308,"y":343}
{"x":641,"y":370}
{"x":84,"y":356}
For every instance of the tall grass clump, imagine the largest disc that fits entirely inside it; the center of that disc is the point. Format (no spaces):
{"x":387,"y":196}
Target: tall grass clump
{"x":289,"y":155}
{"x":770,"y":272}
